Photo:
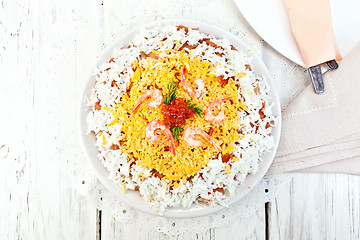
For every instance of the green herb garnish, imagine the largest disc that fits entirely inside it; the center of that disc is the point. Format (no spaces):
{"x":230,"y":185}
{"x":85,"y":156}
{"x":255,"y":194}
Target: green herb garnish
{"x":176,"y":132}
{"x":172,"y":92}
{"x":197,"y":109}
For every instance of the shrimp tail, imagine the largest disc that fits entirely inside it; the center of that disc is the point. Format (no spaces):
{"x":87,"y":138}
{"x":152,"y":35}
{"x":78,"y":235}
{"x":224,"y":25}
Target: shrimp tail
{"x":139,"y":102}
{"x":211,"y":140}
{"x":199,"y":92}
{"x":209,"y":117}
{"x":190,"y":133}
{"x":156,"y":102}
{"x":150,"y":133}
{"x":171,"y":139}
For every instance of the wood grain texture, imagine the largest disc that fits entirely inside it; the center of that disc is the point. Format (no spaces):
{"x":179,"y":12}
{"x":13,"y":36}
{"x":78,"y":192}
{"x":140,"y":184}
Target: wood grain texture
{"x":317,"y":206}
{"x":47,"y":49}
{"x":38,"y":88}
{"x":246,"y":228}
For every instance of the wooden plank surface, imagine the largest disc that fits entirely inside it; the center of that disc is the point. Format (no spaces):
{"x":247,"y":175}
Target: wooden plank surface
{"x":47,"y":48}
{"x":38,"y":137}
{"x":316,"y":206}
{"x":245,"y":228}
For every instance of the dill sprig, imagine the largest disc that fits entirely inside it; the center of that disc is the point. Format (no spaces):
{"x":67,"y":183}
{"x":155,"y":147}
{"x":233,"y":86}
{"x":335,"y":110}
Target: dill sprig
{"x":192,"y":105}
{"x":171,"y":92}
{"x":176,"y":132}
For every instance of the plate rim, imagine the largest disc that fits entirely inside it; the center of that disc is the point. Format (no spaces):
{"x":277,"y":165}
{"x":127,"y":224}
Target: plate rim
{"x":98,"y":167}
{"x":289,"y":52}
{"x":275,"y":46}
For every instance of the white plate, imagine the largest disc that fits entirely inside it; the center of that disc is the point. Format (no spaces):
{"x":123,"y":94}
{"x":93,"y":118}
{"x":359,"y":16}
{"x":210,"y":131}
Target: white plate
{"x":270,"y":20}
{"x":132,"y":197}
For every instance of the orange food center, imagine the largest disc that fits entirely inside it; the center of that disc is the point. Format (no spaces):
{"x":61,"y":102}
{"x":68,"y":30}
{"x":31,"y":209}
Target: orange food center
{"x":157,"y":73}
{"x":176,"y":113}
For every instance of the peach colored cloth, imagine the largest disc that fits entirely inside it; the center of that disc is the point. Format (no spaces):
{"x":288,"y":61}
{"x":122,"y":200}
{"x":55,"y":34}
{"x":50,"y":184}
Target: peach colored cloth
{"x":311,"y":25}
{"x":321,"y":133}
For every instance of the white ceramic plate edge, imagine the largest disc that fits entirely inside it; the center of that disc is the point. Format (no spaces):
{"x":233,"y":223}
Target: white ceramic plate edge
{"x":270,"y":20}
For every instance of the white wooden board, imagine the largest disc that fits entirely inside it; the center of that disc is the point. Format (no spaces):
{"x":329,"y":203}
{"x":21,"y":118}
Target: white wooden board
{"x":47,"y":48}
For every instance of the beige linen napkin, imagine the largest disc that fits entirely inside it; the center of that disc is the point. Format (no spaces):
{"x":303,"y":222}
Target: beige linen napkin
{"x":311,"y":25}
{"x":321,"y":133}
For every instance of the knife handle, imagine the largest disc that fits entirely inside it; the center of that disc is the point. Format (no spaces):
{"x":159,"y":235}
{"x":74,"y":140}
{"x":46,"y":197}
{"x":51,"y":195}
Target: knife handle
{"x":332,"y":64}
{"x":317,"y":79}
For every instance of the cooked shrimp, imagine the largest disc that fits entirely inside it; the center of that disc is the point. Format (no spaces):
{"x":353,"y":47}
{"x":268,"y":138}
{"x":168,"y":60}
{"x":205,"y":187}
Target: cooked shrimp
{"x":156,"y":99}
{"x":199,"y":92}
{"x":150,"y":132}
{"x":190,"y":133}
{"x":208,"y":114}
